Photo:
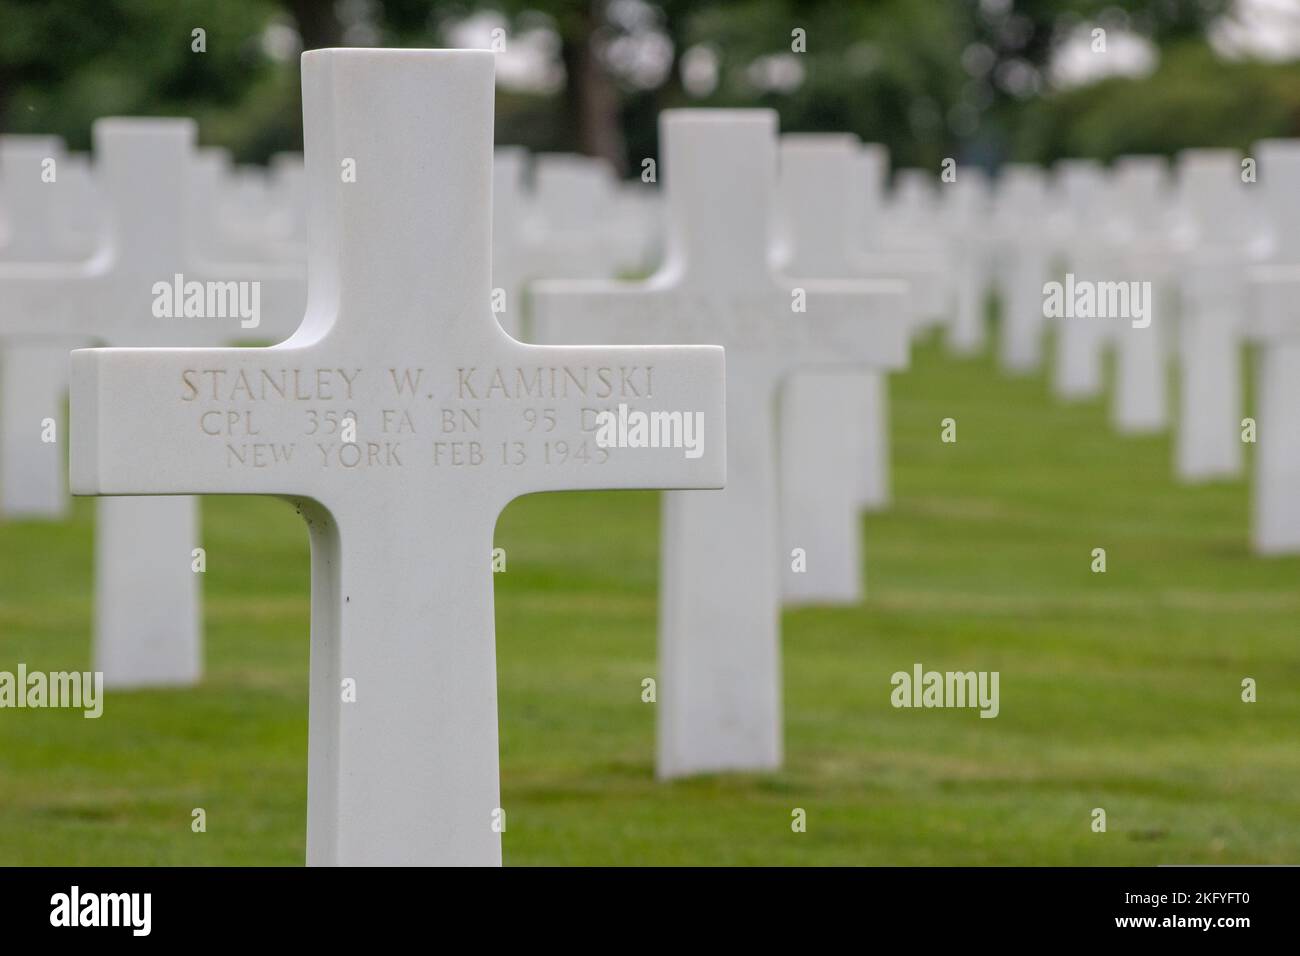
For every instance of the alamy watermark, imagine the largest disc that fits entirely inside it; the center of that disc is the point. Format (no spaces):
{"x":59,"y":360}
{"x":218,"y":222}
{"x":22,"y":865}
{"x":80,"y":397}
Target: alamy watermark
{"x":922,"y":688}
{"x":75,"y":690}
{"x":133,"y":911}
{"x":637,"y":429}
{"x":209,"y":300}
{"x":1085,"y":299}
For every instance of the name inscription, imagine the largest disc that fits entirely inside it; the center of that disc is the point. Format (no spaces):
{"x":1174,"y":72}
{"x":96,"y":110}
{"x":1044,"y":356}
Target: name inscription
{"x":468,"y":417}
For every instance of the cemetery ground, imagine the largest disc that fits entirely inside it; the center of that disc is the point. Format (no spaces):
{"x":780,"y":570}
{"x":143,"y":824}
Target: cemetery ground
{"x":1119,"y":690}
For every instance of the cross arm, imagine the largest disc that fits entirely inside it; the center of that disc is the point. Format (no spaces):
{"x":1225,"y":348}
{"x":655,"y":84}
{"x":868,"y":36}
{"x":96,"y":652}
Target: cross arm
{"x":1273,"y":290}
{"x":36,"y":300}
{"x":665,"y":424}
{"x":924,"y":277}
{"x":156,"y":421}
{"x":506,"y":420}
{"x":855,"y":320}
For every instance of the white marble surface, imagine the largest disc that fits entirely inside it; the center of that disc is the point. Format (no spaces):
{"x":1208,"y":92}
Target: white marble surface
{"x":719,"y":702}
{"x":399,"y":334}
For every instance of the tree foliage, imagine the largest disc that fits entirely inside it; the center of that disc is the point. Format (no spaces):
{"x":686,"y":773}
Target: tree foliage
{"x":935,"y":78}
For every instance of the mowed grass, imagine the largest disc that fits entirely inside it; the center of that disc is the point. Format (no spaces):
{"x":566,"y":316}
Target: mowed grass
{"x":1119,"y":690}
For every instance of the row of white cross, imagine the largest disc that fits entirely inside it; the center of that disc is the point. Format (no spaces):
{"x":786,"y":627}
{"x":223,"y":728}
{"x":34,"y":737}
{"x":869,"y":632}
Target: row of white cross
{"x":410,"y":323}
{"x":1217,"y":236}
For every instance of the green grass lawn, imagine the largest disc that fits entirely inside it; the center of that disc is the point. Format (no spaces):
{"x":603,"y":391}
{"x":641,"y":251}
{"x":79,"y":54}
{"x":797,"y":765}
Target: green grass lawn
{"x":1118,"y":690}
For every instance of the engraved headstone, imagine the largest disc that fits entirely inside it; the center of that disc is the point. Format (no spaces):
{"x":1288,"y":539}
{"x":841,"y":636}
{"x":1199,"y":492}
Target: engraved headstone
{"x":400,"y":419}
{"x":719,"y":705}
{"x":143,"y":287}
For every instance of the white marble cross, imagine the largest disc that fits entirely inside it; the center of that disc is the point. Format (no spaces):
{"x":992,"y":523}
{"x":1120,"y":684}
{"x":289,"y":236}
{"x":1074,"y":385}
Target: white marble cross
{"x":576,"y":222}
{"x":967,"y":210}
{"x":570,"y":232}
{"x":78,"y":211}
{"x":210,"y":167}
{"x":147,"y":620}
{"x":638,"y":214}
{"x":1024,"y":265}
{"x":1081,"y":199}
{"x":719,"y":704}
{"x":288,"y":185}
{"x":1212,"y":293}
{"x":1141,"y":252}
{"x":248,"y":207}
{"x":1274,"y":322}
{"x":400,"y":419}
{"x":33,"y":475}
{"x":911,"y":224}
{"x":872,"y":248}
{"x":820,"y":496}
{"x":866,"y":195}
{"x":33,"y":373}
{"x":219,"y":233}
{"x":27,"y":225}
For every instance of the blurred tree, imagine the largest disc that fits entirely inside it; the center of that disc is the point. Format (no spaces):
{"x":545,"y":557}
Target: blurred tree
{"x":1012,"y":43}
{"x":966,"y":78}
{"x":1193,"y":99}
{"x":886,"y":70}
{"x":591,"y":98}
{"x":63,"y":64}
{"x":317,"y":22}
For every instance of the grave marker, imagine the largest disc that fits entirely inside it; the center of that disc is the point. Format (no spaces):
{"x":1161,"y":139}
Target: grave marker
{"x":967,"y":210}
{"x":33,"y":373}
{"x":147,"y":620}
{"x":399,"y":333}
{"x":910,"y":227}
{"x":569,"y":233}
{"x":1274,"y":292}
{"x":288,"y":178}
{"x":1212,"y":293}
{"x":1140,"y":254}
{"x":29,"y":168}
{"x":832,"y":465}
{"x":78,"y":212}
{"x":719,"y":622}
{"x":1023,"y":266}
{"x":1081,"y":188}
